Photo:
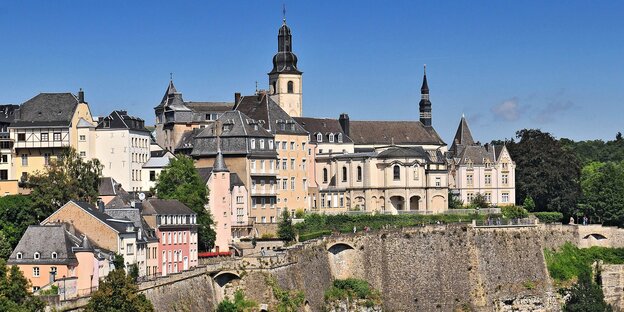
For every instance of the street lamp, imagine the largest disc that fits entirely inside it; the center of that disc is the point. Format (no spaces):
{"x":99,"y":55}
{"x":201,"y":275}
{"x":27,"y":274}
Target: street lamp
{"x":64,"y":289}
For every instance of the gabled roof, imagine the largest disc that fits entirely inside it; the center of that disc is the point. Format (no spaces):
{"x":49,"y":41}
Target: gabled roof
{"x":47,"y":109}
{"x":119,"y":119}
{"x":7,"y":112}
{"x":408,"y":152}
{"x":159,"y":161}
{"x":156,"y":206}
{"x":210,"y":107}
{"x":264,"y":109}
{"x":108,"y":187}
{"x":393,"y":132}
{"x":463,"y":137}
{"x":477,"y":155}
{"x":45,"y":240}
{"x":325,"y":126}
{"x":206,"y":172}
{"x":118,"y":226}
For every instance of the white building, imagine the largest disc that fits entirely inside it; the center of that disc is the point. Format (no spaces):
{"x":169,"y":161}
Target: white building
{"x":123,"y":147}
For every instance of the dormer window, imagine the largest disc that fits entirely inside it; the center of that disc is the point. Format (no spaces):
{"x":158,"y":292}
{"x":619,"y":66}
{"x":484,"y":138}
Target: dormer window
{"x":261,"y":144}
{"x":106,"y":123}
{"x":339,"y":137}
{"x":319,"y":137}
{"x":18,"y":255}
{"x":253,"y":143}
{"x":54,"y":255}
{"x":36,"y":256}
{"x":270,"y":144}
{"x":283,"y":126}
{"x":331,"y":138}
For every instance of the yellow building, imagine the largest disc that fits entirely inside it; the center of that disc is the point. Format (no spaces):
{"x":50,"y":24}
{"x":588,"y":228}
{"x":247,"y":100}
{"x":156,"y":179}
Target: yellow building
{"x":293,"y":150}
{"x":45,"y":126}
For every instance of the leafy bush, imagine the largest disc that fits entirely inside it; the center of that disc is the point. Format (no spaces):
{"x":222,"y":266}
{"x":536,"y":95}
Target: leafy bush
{"x":548,"y":216}
{"x":529,"y":204}
{"x":571,"y":262}
{"x":313,"y":235}
{"x":479,"y":201}
{"x":240,"y":304}
{"x":299,"y":213}
{"x":267,"y":236}
{"x":351,"y":288}
{"x":514,"y":212}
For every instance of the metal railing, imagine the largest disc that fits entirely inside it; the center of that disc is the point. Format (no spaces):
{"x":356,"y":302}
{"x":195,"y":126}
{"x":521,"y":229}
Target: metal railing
{"x":498,"y":222}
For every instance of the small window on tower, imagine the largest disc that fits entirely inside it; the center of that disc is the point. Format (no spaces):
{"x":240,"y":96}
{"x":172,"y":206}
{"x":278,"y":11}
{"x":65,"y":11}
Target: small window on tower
{"x":291,"y":87}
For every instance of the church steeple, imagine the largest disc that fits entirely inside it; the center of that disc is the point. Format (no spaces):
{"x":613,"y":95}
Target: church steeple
{"x":425,"y":104}
{"x":285,"y":78}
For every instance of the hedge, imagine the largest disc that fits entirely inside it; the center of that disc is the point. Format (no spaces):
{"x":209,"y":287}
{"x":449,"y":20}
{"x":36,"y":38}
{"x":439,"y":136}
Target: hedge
{"x":549,"y":217}
{"x":313,"y":235}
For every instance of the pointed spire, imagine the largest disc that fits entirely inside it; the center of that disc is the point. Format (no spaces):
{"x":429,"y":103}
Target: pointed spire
{"x":463,"y":136}
{"x":219,"y":163}
{"x":425,"y":87}
{"x":284,"y":13}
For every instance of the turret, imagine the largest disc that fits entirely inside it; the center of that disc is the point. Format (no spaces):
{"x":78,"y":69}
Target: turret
{"x":425,"y":104}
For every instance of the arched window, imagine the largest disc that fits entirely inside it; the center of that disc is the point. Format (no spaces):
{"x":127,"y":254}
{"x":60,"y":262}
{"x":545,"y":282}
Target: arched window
{"x":18,"y":255}
{"x":291,"y":87}
{"x":54,"y":255}
{"x":339,"y":137}
{"x":344,"y":174}
{"x":396,"y":172}
{"x":37,"y":255}
{"x":274,"y":87}
{"x":331,"y":138}
{"x":324,"y":175}
{"x":359,"y":174}
{"x":319,"y":137}
{"x":416,"y":172}
{"x":253,"y":144}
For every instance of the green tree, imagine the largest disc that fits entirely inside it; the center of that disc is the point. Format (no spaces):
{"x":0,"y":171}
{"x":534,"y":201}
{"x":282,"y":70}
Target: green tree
{"x":529,"y":204}
{"x":479,"y":201}
{"x":17,"y":212}
{"x":454,"y":201}
{"x":5,"y":246}
{"x":286,"y":230}
{"x":14,"y":294}
{"x":546,"y":171}
{"x":603,"y":189}
{"x":69,"y":177}
{"x":180,"y":180}
{"x":118,"y":293}
{"x":239,"y":304}
{"x":586,"y":296}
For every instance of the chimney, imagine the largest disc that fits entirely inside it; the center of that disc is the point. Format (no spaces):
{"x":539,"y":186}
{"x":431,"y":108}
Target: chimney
{"x":237,"y":98}
{"x":81,"y":96}
{"x":100,"y":204}
{"x":344,"y":123}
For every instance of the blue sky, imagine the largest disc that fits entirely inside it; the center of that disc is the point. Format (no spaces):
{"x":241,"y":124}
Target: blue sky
{"x":506,"y":65}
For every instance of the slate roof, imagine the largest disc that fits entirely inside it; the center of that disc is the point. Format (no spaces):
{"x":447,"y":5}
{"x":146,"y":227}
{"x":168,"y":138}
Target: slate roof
{"x":119,"y":119}
{"x":237,"y":130}
{"x":325,"y":126}
{"x":210,"y":107}
{"x":388,"y":132}
{"x":400,"y":152}
{"x":46,"y":110}
{"x":117,"y":225}
{"x":156,"y":206}
{"x":271,"y":116}
{"x":108,"y":187}
{"x":7,"y":112}
{"x":463,"y":137}
{"x":159,"y":161}
{"x":45,"y":239}
{"x":477,"y":155}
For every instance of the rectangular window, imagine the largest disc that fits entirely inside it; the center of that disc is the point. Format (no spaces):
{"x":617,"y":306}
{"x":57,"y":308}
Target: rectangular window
{"x":292,"y":183}
{"x":261,"y":144}
{"x":284,"y":184}
{"x":271,"y":144}
{"x":303,"y":164}
{"x":488,"y":179}
{"x":438,"y":181}
{"x":83,"y":137}
{"x":129,"y":249}
{"x":292,"y":164}
{"x":35,"y":271}
{"x":24,"y":159}
{"x":284,"y":164}
{"x":44,"y":137}
{"x":470,"y":197}
{"x":57,"y":136}
{"x":271,"y":164}
{"x":469,"y":179}
{"x":46,"y":158}
{"x":292,"y":146}
{"x":262,"y":202}
{"x":505,"y":197}
{"x":152,"y":175}
{"x":263,"y":219}
{"x":21,"y":137}
{"x":505,"y":179}
{"x":262,"y":165}
{"x":488,"y":197}
{"x":303,"y":145}
{"x":252,"y":164}
{"x":254,"y":202}
{"x":4,"y":159}
{"x":253,"y":143}
{"x":284,"y":145}
{"x":4,"y":175}
{"x":239,"y":199}
{"x":83,"y":154}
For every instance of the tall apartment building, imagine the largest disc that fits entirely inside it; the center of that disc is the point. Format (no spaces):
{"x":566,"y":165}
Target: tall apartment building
{"x":293,"y":150}
{"x":123,"y":147}
{"x":45,"y":126}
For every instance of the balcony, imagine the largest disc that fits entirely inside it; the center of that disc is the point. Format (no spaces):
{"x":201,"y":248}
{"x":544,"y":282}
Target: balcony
{"x":263,"y":172}
{"x":266,"y":191}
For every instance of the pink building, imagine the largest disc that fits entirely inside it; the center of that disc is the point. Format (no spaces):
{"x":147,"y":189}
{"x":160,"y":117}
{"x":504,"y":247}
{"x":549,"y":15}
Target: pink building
{"x":227,"y":203}
{"x":176,"y":229}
